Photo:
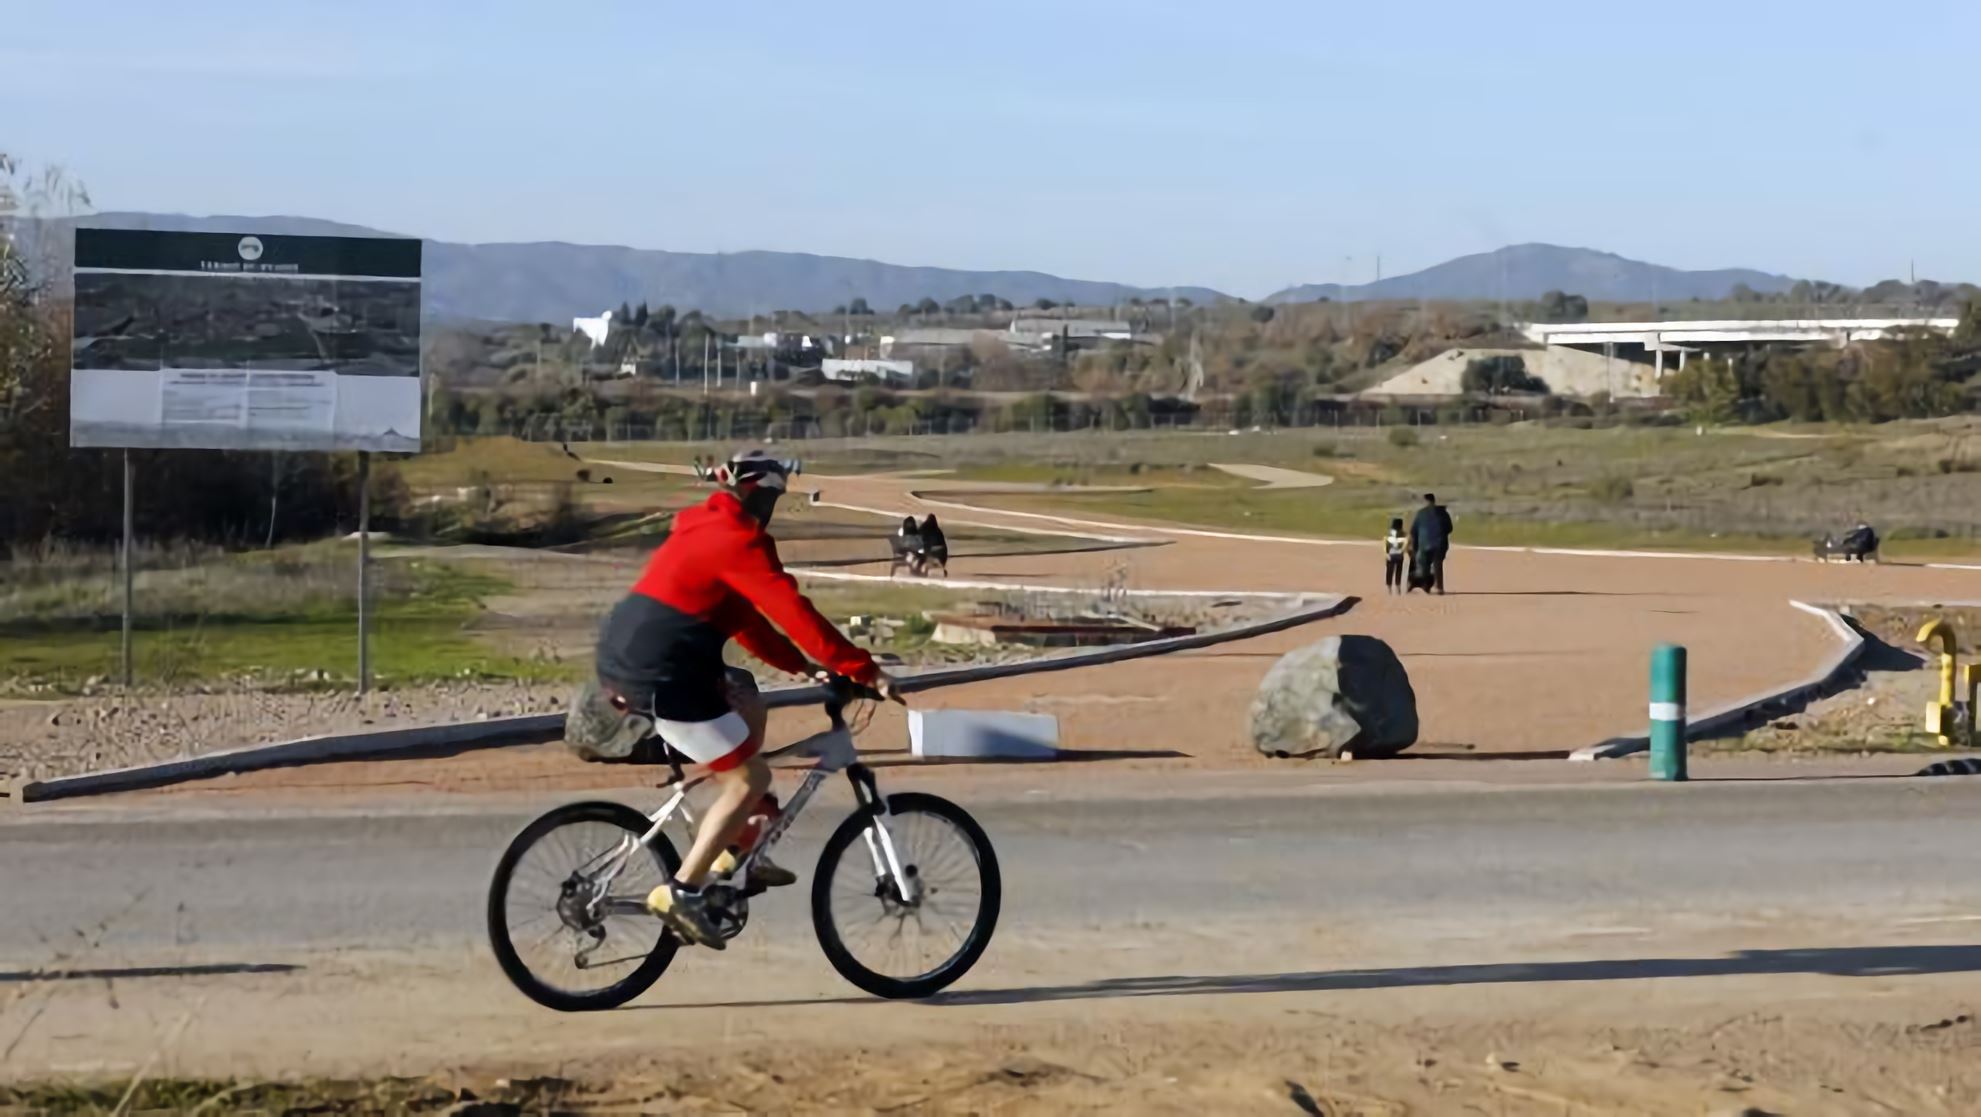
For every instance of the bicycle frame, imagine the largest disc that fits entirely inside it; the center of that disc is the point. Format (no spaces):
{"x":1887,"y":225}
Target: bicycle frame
{"x":836,"y":752}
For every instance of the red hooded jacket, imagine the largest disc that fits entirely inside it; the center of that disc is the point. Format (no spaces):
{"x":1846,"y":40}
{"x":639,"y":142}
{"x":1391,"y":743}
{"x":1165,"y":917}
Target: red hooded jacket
{"x":717,"y":577}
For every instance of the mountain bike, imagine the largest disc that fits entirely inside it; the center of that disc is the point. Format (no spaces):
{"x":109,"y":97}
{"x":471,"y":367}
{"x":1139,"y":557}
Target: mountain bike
{"x":904,"y":898}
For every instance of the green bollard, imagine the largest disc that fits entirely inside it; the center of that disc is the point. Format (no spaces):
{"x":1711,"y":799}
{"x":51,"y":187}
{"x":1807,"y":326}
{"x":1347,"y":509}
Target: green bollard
{"x":1668,"y":712}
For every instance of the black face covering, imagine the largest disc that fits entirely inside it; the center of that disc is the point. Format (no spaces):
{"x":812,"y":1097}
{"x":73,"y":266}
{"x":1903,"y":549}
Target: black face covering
{"x":760,"y":502}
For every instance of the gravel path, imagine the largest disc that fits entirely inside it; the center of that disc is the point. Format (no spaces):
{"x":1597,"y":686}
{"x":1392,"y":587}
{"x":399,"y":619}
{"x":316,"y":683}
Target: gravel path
{"x":1276,"y":478}
{"x":39,"y":739}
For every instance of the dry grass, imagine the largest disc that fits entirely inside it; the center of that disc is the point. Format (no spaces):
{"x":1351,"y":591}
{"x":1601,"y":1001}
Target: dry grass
{"x":278,"y":619}
{"x":1771,"y":488}
{"x":81,"y":587}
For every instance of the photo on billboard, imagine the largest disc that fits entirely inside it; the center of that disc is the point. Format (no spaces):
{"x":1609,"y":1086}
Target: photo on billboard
{"x":245,"y":342}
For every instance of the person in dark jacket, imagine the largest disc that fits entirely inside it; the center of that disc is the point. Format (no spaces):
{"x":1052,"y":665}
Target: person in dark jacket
{"x":715,"y":578}
{"x":1430,"y":542}
{"x":907,"y":547}
{"x":935,"y":545}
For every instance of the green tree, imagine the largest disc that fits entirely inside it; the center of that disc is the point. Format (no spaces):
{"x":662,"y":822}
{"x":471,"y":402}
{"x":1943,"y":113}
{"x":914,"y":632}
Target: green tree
{"x":1791,"y":385}
{"x":1710,"y":390}
{"x":1498,"y":375}
{"x":927,"y":306}
{"x":1043,"y":304}
{"x":663,"y":322}
{"x":859,"y":308}
{"x":1968,"y":332}
{"x":1559,"y":306}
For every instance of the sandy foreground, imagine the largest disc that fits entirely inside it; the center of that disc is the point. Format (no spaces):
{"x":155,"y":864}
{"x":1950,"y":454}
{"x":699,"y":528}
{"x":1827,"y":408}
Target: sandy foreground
{"x":1259,"y":946}
{"x":1549,"y":959}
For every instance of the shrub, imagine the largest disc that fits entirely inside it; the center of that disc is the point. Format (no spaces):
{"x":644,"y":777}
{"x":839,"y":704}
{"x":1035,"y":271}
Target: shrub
{"x":1497,"y":375}
{"x":1612,"y":489}
{"x":1402,"y":437}
{"x":1324,"y":450}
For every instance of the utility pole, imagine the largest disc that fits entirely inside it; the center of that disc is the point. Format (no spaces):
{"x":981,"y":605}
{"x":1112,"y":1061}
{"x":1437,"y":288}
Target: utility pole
{"x":1347,"y":273}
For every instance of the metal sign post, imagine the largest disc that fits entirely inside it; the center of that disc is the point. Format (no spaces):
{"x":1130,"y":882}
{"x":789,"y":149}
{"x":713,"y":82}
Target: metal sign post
{"x":364,"y":561}
{"x":126,"y":657}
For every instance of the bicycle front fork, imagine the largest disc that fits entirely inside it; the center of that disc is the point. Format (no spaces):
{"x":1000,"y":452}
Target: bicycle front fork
{"x":880,"y":843}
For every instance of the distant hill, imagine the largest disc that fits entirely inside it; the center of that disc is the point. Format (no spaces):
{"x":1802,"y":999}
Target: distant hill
{"x":552,"y":281}
{"x":1527,"y":271}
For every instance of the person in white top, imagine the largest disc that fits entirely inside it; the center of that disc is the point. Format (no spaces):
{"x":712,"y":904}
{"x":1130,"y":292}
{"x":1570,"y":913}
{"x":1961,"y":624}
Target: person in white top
{"x":1393,"y":547}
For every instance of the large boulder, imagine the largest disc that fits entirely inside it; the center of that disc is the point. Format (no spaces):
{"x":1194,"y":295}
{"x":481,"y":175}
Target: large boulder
{"x":1343,"y":694}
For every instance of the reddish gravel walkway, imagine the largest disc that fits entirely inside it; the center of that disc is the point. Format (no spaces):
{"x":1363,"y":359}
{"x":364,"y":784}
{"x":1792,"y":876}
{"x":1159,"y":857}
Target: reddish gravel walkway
{"x":1532,"y":654}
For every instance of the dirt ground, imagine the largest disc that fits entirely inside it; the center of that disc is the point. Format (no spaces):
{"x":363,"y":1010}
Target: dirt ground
{"x":1256,"y":1042}
{"x":1308,"y":1062}
{"x":1531,"y":655}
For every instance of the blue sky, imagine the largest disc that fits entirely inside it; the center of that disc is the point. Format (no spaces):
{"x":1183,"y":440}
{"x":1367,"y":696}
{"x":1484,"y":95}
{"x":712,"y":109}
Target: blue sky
{"x":1241,"y":145}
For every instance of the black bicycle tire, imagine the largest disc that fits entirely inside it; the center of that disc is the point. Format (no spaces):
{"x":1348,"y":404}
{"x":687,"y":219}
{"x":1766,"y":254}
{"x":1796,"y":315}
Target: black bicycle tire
{"x":880,"y":985}
{"x":513,"y":967}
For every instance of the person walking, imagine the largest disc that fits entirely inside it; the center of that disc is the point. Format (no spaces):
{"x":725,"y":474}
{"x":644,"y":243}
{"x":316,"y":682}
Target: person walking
{"x":1394,"y":545}
{"x":1430,"y":542}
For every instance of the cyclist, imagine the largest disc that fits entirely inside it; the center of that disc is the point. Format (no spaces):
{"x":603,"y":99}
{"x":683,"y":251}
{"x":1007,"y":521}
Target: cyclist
{"x":715,"y":578}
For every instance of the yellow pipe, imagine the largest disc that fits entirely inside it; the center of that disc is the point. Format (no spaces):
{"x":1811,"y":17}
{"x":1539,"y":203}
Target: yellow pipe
{"x":1939,"y":715}
{"x":1971,"y":676}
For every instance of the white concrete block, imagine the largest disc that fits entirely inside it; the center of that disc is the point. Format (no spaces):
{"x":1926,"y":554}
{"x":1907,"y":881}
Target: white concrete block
{"x":983,"y":734}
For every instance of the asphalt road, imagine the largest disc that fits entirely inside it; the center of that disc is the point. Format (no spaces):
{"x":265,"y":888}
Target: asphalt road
{"x":232,"y":936}
{"x":159,"y":876}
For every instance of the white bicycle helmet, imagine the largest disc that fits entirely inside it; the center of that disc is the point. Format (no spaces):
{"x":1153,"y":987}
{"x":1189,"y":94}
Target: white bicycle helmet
{"x":753,"y":468}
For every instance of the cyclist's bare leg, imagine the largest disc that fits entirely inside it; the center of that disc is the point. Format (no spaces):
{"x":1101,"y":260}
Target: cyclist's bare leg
{"x":740,"y":789}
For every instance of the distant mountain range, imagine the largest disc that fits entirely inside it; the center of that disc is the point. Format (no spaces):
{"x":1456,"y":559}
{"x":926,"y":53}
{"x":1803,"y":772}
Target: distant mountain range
{"x":1528,"y":271}
{"x":552,"y":281}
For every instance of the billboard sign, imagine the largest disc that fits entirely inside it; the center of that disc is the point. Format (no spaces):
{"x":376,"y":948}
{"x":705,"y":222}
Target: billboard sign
{"x":241,"y":341}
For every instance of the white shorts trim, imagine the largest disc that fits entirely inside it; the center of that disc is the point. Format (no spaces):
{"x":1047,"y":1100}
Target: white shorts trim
{"x":704,"y":742}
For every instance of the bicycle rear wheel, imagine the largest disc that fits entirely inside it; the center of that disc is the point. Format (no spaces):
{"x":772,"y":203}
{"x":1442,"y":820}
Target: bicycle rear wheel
{"x":894,"y":949}
{"x":565,"y":936}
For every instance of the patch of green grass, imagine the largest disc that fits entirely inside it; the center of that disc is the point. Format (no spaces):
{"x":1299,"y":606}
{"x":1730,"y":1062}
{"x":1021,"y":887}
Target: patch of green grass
{"x":419,"y":620}
{"x":1912,"y":741}
{"x":1617,"y":487}
{"x":503,"y":458}
{"x":1073,"y":473}
{"x":1359,"y":514}
{"x":1770,"y":488}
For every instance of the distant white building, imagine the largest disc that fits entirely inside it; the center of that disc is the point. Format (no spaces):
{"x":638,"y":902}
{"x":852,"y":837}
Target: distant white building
{"x":597,"y":329}
{"x":1072,"y":333}
{"x":836,"y":368}
{"x":772,"y":341}
{"x":930,"y":338}
{"x":1084,"y":329}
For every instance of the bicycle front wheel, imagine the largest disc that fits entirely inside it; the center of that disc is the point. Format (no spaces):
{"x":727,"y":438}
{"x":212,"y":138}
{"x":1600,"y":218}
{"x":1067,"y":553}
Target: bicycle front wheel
{"x":567,"y":907}
{"x":899,"y":948}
